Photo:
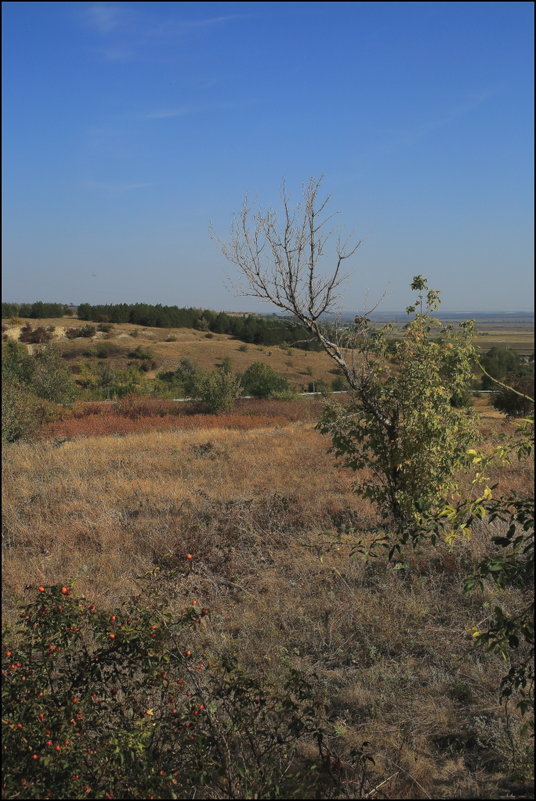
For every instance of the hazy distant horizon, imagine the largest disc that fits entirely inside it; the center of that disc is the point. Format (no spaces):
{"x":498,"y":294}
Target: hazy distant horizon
{"x":278,"y":312}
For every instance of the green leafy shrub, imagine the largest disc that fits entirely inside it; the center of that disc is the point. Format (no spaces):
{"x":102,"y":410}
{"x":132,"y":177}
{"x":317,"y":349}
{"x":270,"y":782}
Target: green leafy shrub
{"x":517,"y":399}
{"x":19,"y":407}
{"x":102,"y":350}
{"x":401,"y":424}
{"x":84,"y":331}
{"x":87,"y":331}
{"x":262,"y":381}
{"x":51,"y":378}
{"x":117,"y":704}
{"x":140,"y":353}
{"x":501,"y":364}
{"x":23,"y":412}
{"x":340,"y":384}
{"x":217,"y":390}
{"x":28,"y":382}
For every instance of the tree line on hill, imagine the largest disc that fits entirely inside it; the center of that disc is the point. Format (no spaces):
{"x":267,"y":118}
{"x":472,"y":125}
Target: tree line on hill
{"x":253,"y":329}
{"x":36,"y":311}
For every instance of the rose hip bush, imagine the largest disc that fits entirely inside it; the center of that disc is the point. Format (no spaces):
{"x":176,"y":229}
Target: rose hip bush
{"x":116,"y":704}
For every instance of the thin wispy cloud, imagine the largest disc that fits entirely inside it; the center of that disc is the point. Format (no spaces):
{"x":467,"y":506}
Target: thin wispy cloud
{"x":452,"y":114}
{"x":408,"y":136}
{"x":103,"y":18}
{"x":183,"y":111}
{"x":127,"y":29}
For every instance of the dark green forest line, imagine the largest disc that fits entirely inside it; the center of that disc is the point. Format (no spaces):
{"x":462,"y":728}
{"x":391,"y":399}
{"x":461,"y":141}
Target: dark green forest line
{"x":254,"y":329}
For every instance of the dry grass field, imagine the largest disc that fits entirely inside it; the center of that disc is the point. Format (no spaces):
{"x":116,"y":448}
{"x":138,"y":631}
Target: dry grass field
{"x":298,"y":366}
{"x":252,"y":501}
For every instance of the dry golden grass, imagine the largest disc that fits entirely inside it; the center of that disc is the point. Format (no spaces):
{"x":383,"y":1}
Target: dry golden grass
{"x":390,"y":647}
{"x":294,"y":364}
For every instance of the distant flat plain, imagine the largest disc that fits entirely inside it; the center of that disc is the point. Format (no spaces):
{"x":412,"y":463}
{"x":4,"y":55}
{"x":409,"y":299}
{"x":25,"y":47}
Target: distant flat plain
{"x":513,"y":330}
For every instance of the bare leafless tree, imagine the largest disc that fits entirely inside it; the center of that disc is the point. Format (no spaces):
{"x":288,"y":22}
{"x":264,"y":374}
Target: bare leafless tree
{"x":281,"y":258}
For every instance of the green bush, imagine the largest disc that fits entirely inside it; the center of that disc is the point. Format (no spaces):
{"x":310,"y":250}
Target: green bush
{"x":19,"y":407}
{"x":217,"y":390}
{"x":102,"y":350}
{"x":502,"y":363}
{"x":516,"y":403}
{"x":51,"y":378}
{"x":262,"y":381}
{"x":87,"y":331}
{"x":117,"y":704}
{"x":140,"y":353}
{"x":43,"y":374}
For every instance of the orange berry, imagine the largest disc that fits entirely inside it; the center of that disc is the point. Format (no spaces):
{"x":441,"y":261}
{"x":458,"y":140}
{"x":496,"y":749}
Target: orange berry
{"x":189,"y":556}
{"x":41,"y":589}
{"x":111,"y":636}
{"x":65,"y":590}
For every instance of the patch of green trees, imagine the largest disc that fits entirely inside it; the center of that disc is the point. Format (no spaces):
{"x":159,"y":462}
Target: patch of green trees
{"x":32,"y":385}
{"x":253,"y":329}
{"x":37,"y":310}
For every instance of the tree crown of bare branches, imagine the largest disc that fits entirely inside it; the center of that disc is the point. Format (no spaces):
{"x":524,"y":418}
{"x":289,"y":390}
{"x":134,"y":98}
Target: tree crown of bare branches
{"x":280,"y":257}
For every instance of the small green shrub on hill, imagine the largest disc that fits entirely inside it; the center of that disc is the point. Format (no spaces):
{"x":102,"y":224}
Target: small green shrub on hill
{"x":262,"y":381}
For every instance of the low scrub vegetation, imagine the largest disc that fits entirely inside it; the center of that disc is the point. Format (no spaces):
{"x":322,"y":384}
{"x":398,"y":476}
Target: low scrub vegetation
{"x":387,"y":646}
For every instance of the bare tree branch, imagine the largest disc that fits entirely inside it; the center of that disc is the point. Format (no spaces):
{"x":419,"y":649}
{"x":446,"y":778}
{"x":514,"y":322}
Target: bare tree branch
{"x":280,"y":259}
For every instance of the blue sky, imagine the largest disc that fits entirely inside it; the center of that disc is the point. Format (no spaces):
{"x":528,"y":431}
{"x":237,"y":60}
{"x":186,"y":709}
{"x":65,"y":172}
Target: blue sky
{"x":128,"y":128}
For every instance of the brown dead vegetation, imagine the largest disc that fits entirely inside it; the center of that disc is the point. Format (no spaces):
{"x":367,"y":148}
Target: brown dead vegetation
{"x":389,"y":644}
